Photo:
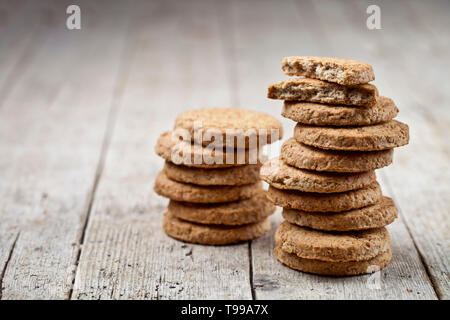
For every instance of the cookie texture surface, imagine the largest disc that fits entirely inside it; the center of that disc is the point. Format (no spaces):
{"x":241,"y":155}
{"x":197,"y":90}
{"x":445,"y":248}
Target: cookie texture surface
{"x":240,"y":212}
{"x":342,"y":71}
{"x":212,"y":234}
{"x":187,"y":192}
{"x":326,"y":202}
{"x":303,"y":156}
{"x":215,"y":176}
{"x":312,"y":90}
{"x":331,"y":246}
{"x":348,"y":268}
{"x":220,"y":125}
{"x":182,"y":152}
{"x":282,"y":176}
{"x":340,"y":115}
{"x":375,"y":216}
{"x":381,"y":136}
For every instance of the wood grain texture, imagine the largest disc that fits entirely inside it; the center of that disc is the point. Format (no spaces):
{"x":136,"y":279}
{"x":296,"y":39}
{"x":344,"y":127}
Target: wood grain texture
{"x":52,"y":128}
{"x":126,"y":254}
{"x":421,"y":102}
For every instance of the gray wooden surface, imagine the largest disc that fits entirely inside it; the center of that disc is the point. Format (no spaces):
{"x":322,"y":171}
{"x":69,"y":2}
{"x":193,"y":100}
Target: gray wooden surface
{"x":80,"y":112}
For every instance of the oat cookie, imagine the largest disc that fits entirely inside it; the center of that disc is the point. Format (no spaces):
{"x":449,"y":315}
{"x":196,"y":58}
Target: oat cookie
{"x":240,"y":212}
{"x":303,"y":156}
{"x":282,"y":176}
{"x":381,"y":136}
{"x":375,"y":216}
{"x":340,"y":115}
{"x":332,"y":246}
{"x":215,"y":176}
{"x":326,"y":202}
{"x":342,"y":71}
{"x":192,"y":155}
{"x":212,"y":234}
{"x":250,"y":126}
{"x":312,"y":90}
{"x":349,"y":268}
{"x":187,"y":192}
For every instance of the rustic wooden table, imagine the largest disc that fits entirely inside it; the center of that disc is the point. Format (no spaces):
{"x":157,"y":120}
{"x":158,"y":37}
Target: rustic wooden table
{"x":80,"y":112}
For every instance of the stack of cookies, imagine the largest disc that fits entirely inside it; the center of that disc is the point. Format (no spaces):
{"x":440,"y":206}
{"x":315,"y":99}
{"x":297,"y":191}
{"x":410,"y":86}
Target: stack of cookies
{"x":211,"y":175}
{"x":324,"y":179}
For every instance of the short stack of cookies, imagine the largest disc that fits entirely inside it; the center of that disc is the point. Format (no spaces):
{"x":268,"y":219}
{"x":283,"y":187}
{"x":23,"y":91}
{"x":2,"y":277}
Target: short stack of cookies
{"x":215,"y":191}
{"x":324,"y":179}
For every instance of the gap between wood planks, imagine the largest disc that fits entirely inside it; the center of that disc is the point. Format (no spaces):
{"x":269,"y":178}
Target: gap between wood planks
{"x":121,"y":81}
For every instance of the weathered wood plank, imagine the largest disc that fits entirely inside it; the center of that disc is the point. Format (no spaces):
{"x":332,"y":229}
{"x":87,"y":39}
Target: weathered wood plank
{"x":51,"y":132}
{"x":420,"y":180}
{"x":178,"y":64}
{"x":17,"y":35}
{"x":304,"y":29}
{"x":416,"y":88}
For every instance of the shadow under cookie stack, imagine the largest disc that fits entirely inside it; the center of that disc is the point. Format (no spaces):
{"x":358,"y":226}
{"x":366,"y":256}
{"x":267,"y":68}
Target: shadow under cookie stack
{"x":335,"y":213}
{"x":215,"y":191}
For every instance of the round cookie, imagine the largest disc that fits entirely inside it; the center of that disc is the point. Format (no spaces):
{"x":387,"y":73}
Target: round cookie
{"x":343,"y":71}
{"x":181,"y":152}
{"x":302,"y":156}
{"x":220,"y":126}
{"x":349,"y":268}
{"x":331,"y":246}
{"x":212,"y":234}
{"x":381,"y":136}
{"x":215,"y":176}
{"x":282,"y":176}
{"x":375,"y":216}
{"x":240,"y":212}
{"x":203,"y":194}
{"x":340,"y":115}
{"x":326,"y":202}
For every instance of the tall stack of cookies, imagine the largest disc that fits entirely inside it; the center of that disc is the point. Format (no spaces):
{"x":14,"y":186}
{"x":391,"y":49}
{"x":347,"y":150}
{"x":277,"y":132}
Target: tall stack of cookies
{"x":211,"y":175}
{"x":335,"y":213}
